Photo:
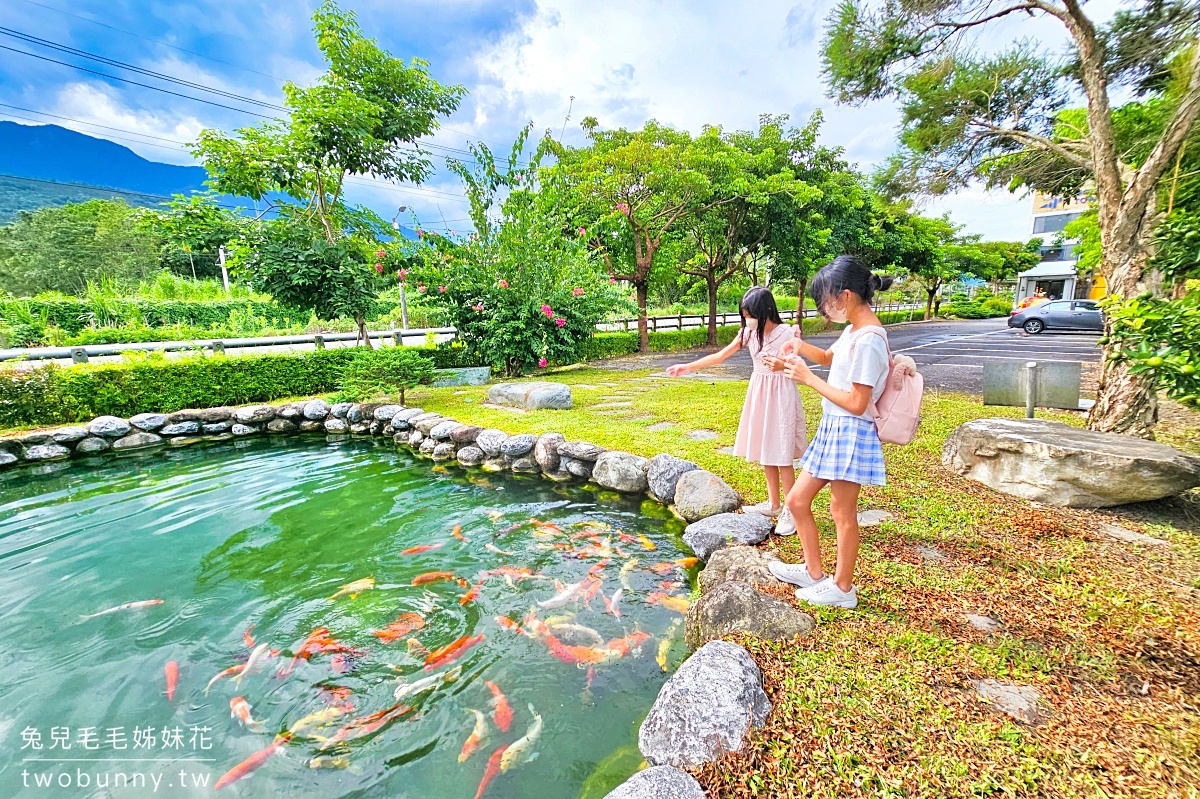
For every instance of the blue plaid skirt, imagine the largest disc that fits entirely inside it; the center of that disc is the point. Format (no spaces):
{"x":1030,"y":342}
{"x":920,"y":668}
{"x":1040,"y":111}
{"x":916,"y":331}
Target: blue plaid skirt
{"x":845,"y":448}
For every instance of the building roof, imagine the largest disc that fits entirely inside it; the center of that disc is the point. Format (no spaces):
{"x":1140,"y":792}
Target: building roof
{"x":1052,"y":269}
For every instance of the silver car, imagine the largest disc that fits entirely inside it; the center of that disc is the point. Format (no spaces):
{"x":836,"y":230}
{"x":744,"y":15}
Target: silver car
{"x":1059,"y":315}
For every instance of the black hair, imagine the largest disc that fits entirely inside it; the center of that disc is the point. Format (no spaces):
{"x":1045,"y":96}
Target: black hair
{"x":759,"y":303}
{"x":842,"y":273}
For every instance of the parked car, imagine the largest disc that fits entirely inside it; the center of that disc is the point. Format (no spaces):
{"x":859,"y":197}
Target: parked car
{"x":1059,"y":315}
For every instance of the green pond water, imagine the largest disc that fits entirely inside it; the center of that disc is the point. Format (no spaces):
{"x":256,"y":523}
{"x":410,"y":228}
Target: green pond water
{"x":263,"y":533}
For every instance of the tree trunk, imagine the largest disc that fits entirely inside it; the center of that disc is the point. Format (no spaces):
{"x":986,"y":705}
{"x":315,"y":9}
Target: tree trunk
{"x":712,"y":311}
{"x":937,"y":304}
{"x":643,"y":329}
{"x":929,"y":303}
{"x":363,"y":338}
{"x":801,"y":287}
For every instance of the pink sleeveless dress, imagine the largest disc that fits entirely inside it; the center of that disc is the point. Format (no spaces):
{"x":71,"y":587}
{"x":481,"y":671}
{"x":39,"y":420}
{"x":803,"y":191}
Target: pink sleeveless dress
{"x":771,"y":431}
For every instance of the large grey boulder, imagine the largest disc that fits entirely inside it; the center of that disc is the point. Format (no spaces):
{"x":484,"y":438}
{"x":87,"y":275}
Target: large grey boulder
{"x":1057,"y":464}
{"x":580,"y":451}
{"x":575,"y":467}
{"x":136,"y":441}
{"x":7,"y":459}
{"x":240,"y":429}
{"x":189,"y":428}
{"x":471,"y":456}
{"x":311,"y":426}
{"x":289,"y":412}
{"x":517,"y":446}
{"x":442,"y":430}
{"x":465,"y":433}
{"x":525,"y":465}
{"x":531,"y":396}
{"x":427,"y":422}
{"x":47,"y":452}
{"x":734,"y":607}
{"x":215,"y":428}
{"x":658,"y":782}
{"x":745,"y":564}
{"x":254,"y":414}
{"x":444,"y":451}
{"x":68,"y":435}
{"x":316,"y":410}
{"x":335,"y":425}
{"x":108,"y":426}
{"x":621,"y":471}
{"x":725,"y":529}
{"x":340,"y":409}
{"x":281,"y":426}
{"x":214,"y":415}
{"x":705,"y":709}
{"x":385,"y":413}
{"x":490,"y":441}
{"x":545,"y":451}
{"x":91,"y":445}
{"x":663,"y":473}
{"x":700,"y":494}
{"x":148,"y":421}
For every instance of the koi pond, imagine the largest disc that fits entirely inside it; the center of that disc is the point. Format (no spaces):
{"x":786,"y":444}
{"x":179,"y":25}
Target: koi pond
{"x":291,"y":618}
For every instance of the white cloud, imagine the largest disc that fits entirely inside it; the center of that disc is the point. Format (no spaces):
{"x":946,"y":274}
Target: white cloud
{"x":996,"y":215}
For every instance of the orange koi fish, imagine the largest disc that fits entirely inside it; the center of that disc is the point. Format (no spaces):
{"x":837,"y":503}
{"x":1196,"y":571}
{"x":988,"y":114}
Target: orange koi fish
{"x":675,"y":603}
{"x":247,"y":638}
{"x":627,"y":538}
{"x":687,"y":563}
{"x":451,"y":652}
{"x":367,"y":725}
{"x":432,"y":577}
{"x":407,"y":623}
{"x":355,"y":588}
{"x":251,"y":763}
{"x":337,"y":693}
{"x":665,"y":567}
{"x":239,"y":709}
{"x":668,"y":585}
{"x":458,"y":533}
{"x":417,"y":550}
{"x":145,"y":603}
{"x":319,"y":641}
{"x":172,"y":672}
{"x":493,"y":768}
{"x":509,"y":624}
{"x":548,"y":526}
{"x":597,"y":571}
{"x":502,"y":714}
{"x":590,"y":590}
{"x":229,"y":672}
{"x":476,"y":738}
{"x":647,"y":544}
{"x":471,"y":595}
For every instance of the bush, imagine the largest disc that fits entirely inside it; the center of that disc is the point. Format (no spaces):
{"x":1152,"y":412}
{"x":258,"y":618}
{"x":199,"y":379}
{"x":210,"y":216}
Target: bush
{"x":385,"y":371}
{"x":1160,"y":339}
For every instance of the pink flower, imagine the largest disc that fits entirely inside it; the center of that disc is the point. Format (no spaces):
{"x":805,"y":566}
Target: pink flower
{"x":441,"y":289}
{"x":560,"y":321}
{"x":477,"y":306}
{"x":542,"y":363}
{"x":577,"y":292}
{"x":623,"y":208}
{"x":380,"y":254}
{"x":379,"y":268}
{"x":421,"y":288}
{"x":420,"y":232}
{"x":503,"y":284}
{"x":548,"y":311}
{"x":612,"y":280}
{"x":582,"y":231}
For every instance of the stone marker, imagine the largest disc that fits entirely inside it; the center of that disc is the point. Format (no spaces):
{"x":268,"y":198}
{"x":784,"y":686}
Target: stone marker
{"x":621,"y":471}
{"x":663,"y":473}
{"x":709,"y":534}
{"x":532,"y":396}
{"x":1022,"y":702}
{"x":658,"y":782}
{"x":734,"y":607}
{"x":705,"y":709}
{"x":1057,"y":464}
{"x":700,"y":494}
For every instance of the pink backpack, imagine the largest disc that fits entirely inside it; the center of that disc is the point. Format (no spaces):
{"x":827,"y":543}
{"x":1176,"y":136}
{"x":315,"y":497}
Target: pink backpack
{"x":897,"y":412}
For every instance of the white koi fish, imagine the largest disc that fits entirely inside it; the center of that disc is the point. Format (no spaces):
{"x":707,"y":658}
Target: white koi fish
{"x":406,"y":689}
{"x":628,"y":568}
{"x":254,"y":663}
{"x":518,"y":752}
{"x":562,"y":597}
{"x":145,"y":603}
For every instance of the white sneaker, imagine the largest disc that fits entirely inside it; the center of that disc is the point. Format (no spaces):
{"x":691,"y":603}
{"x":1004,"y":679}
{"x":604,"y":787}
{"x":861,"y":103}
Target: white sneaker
{"x":764,"y":509}
{"x":794,"y":573}
{"x":827,"y":593}
{"x":786,"y":524}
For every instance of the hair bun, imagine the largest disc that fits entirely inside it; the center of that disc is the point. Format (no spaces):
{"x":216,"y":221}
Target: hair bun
{"x":881,"y":282}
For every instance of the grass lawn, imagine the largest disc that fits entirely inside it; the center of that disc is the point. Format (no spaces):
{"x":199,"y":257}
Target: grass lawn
{"x":879,"y":701}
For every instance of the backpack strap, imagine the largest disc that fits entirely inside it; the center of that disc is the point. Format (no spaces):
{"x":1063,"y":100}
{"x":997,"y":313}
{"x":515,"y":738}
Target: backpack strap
{"x":854,"y":342}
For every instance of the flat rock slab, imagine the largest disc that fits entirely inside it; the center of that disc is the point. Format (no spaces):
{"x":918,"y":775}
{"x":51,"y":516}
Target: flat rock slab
{"x":871,"y":518}
{"x":1057,"y":464}
{"x":621,"y":471}
{"x":1022,"y":702}
{"x":930,"y":554}
{"x":708,"y":535}
{"x":658,"y":782}
{"x":601,"y":405}
{"x":726,"y":451}
{"x":985,"y":624}
{"x":1119,"y":533}
{"x":532,"y":396}
{"x":660,"y":426}
{"x":734,"y":607}
{"x":700,"y":494}
{"x":702,"y":435}
{"x":745,"y":564}
{"x":705,"y":709}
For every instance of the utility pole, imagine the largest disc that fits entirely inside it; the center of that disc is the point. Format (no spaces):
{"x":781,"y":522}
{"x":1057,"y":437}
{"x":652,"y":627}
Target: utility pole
{"x":403,"y":295}
{"x":224,"y":271}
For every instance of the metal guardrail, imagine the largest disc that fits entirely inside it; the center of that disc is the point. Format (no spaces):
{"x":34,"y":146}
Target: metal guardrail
{"x":81,"y":354}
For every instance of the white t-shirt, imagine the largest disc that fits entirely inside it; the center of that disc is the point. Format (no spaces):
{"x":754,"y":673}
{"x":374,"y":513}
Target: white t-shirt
{"x":869,"y":366}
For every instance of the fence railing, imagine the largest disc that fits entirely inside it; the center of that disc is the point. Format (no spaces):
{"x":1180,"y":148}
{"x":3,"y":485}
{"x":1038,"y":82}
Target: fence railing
{"x":81,"y":354}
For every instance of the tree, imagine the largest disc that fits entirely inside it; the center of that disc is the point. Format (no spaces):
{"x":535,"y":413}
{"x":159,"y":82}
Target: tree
{"x":364,"y":116}
{"x":629,"y":191}
{"x":962,"y":113}
{"x":917,"y":245}
{"x":66,"y":248}
{"x":193,"y":226}
{"x":745,"y":170}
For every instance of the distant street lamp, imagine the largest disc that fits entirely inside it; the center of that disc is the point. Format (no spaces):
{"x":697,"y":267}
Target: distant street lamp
{"x":403,"y":296}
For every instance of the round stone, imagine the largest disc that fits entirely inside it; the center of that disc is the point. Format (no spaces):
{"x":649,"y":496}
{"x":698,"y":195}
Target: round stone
{"x":443,"y":451}
{"x":47,"y":452}
{"x":518,"y":446}
{"x":91,"y":445}
{"x":254,"y":414}
{"x":316,"y":410}
{"x":7,"y":459}
{"x":68,"y":435}
{"x":491,"y":440}
{"x":471,"y":456}
{"x":108,"y":426}
{"x":281,"y":426}
{"x":136,"y":441}
{"x":340,"y":409}
{"x":240,"y":429}
{"x":180,"y":429}
{"x":336,"y":425}
{"x":148,"y":422}
{"x":384,"y":413}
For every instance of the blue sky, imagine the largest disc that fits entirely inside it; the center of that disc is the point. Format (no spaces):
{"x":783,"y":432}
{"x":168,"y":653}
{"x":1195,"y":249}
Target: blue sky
{"x":685,"y":63}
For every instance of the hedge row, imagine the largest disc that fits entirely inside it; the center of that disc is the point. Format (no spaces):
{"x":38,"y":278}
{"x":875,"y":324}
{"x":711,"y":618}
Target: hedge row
{"x":74,"y":314}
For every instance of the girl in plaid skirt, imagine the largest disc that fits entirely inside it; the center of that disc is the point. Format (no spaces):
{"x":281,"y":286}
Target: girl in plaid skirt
{"x":845,"y":453}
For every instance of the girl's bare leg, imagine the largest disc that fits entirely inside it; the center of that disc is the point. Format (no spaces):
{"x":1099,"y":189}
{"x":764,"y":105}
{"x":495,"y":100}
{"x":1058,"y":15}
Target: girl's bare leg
{"x":843,"y":505}
{"x":772,"y":473}
{"x":787,"y":478}
{"x":799,"y":503}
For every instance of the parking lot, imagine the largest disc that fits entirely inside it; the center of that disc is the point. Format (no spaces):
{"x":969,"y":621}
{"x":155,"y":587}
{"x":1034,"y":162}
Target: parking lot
{"x":950,"y":355}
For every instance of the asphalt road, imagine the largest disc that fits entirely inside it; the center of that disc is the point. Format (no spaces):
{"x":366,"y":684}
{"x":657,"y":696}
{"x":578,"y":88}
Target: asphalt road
{"x":950,"y":355}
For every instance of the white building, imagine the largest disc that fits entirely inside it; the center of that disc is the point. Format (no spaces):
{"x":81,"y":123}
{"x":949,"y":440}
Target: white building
{"x":1057,"y":275}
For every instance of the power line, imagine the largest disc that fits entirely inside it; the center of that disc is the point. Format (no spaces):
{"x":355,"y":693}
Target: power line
{"x":128,"y":192}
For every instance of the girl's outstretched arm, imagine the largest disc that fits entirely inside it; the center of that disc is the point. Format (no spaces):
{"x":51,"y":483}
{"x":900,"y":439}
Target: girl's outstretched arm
{"x":854,"y":401}
{"x":814,"y":353}
{"x":681,"y":369}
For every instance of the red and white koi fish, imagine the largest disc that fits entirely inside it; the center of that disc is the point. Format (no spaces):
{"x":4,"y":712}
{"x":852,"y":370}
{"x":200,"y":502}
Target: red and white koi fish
{"x":613,"y":605}
{"x":247,"y":638}
{"x":417,"y":550}
{"x":519,"y":751}
{"x":576,"y":631}
{"x":239,"y":709}
{"x":229,"y":672}
{"x":355,"y":588}
{"x":493,"y":768}
{"x":432,"y":577}
{"x":458,"y":533}
{"x":493,"y":548}
{"x":171,"y":670}
{"x":451,"y":652}
{"x":675,"y":603}
{"x":477,"y":737}
{"x":145,"y":603}
{"x":405,"y":624}
{"x":367,"y":725}
{"x":502,"y":714}
{"x":251,"y":763}
{"x":471,"y":595}
{"x":509,"y":624}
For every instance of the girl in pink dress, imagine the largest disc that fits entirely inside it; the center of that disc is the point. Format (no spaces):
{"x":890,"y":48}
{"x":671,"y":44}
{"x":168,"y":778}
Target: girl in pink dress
{"x":771,"y":431}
